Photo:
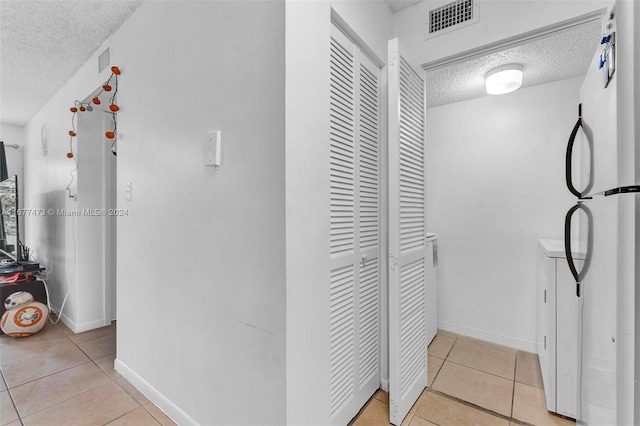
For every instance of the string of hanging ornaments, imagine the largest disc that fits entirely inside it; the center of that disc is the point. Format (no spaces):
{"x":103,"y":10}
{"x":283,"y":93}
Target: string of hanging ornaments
{"x":78,"y":107}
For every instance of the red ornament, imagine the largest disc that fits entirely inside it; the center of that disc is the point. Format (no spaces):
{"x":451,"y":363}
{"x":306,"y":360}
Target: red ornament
{"x":69,"y":155}
{"x":96,"y":100}
{"x":110,"y":135}
{"x":115,"y":70}
{"x":73,"y":109}
{"x":82,"y":108}
{"x":114,"y":107}
{"x":72,"y":133}
{"x":106,"y":88}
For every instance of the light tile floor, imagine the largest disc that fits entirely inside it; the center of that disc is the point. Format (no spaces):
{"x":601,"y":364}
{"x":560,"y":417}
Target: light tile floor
{"x":58,"y":378}
{"x":472,"y":382}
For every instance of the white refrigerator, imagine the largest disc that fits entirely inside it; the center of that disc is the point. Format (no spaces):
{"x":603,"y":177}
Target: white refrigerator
{"x":603,"y":171}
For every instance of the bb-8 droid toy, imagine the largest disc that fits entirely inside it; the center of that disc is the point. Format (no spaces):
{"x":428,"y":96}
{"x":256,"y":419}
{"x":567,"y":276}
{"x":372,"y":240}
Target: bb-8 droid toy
{"x":23,"y":316}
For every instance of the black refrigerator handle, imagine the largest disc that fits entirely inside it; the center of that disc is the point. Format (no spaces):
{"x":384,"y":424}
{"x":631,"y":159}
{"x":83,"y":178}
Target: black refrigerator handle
{"x":578,"y":276}
{"x":569,"y":155}
{"x":567,"y":246}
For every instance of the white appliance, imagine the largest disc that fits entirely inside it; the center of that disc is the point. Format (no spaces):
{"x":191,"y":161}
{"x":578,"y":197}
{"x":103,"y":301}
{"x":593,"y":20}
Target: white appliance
{"x":557,"y":326}
{"x":607,"y":138}
{"x":431,"y":286}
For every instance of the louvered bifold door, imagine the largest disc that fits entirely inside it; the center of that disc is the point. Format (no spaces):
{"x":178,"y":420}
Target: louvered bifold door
{"x":354,"y":286}
{"x":368,"y":301}
{"x":407,"y":236}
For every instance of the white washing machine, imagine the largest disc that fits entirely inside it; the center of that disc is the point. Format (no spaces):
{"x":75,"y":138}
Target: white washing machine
{"x":557,"y":314}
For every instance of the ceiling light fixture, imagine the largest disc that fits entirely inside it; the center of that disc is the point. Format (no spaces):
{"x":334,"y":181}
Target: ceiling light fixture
{"x":504,"y":79}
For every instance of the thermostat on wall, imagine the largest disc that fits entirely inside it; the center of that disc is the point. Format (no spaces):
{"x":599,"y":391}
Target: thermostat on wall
{"x":213,"y":149}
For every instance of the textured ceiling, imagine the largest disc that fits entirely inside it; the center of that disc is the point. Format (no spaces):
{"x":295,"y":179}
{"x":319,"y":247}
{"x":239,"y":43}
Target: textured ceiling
{"x":43,"y":44}
{"x":398,"y":5}
{"x":555,"y":57}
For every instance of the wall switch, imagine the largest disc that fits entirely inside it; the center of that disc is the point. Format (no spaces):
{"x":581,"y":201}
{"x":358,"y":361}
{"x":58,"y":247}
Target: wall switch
{"x":127,"y":191}
{"x":213,"y":149}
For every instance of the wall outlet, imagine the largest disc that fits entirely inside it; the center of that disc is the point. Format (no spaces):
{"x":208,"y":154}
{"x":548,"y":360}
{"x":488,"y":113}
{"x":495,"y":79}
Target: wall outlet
{"x":127,"y":191}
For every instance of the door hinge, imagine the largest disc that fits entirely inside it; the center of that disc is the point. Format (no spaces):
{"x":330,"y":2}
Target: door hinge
{"x":434,"y":245}
{"x":393,"y":261}
{"x":545,"y":295}
{"x":393,"y":410}
{"x":545,"y":342}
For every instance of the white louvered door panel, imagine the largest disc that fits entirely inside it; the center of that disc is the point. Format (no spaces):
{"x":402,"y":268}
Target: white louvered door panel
{"x":407,"y":236}
{"x":343,"y":273}
{"x":368,"y":221}
{"x":354,"y":287}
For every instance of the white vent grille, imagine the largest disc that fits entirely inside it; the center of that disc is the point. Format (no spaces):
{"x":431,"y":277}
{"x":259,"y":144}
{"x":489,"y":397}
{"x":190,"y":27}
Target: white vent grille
{"x":451,"y":16}
{"x":104,"y":59}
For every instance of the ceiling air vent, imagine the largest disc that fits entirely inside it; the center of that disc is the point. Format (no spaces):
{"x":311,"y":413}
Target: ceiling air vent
{"x":451,"y":16}
{"x":104,"y":60}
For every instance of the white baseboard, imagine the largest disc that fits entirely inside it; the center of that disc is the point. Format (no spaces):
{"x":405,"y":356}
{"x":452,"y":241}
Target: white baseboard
{"x":79,"y":328}
{"x":498,"y":339}
{"x":384,"y":384}
{"x":162,"y":402}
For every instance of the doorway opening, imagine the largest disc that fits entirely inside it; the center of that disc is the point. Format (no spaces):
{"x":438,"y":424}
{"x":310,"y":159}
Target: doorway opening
{"x":97,"y":224}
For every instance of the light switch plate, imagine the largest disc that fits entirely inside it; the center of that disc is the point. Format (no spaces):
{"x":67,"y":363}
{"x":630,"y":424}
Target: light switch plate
{"x":213,"y":149}
{"x":127,"y":191}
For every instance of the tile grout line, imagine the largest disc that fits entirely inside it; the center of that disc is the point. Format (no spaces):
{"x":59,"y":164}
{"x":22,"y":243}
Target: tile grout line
{"x":77,"y":344}
{"x":455,"y":340}
{"x":20,"y":417}
{"x":97,"y":387}
{"x":513,"y":388}
{"x":470,"y":404}
{"x":86,"y":354}
{"x":65,"y":400}
{"x":47,"y":375}
{"x":443,"y":361}
{"x":77,"y":334}
{"x":64,"y":369}
{"x":481,"y":371}
{"x":495,"y":346}
{"x":13,"y":402}
{"x":480,"y":408}
{"x":129,"y":412}
{"x":508,"y":418}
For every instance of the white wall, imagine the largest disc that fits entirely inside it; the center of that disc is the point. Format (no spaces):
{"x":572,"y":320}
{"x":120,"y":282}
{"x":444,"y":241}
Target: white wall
{"x":499,"y":20}
{"x":495,"y":185}
{"x":307,"y":168}
{"x":201,"y":267}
